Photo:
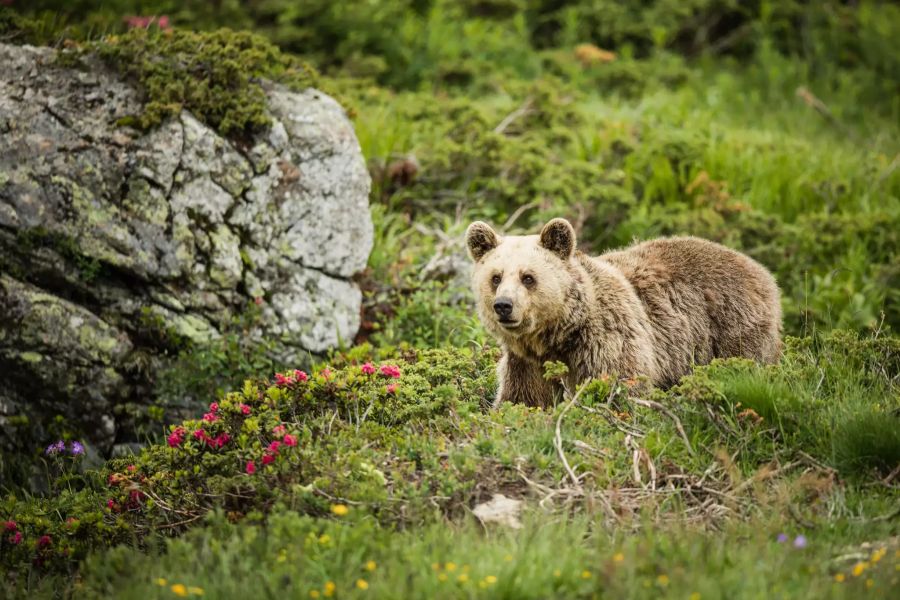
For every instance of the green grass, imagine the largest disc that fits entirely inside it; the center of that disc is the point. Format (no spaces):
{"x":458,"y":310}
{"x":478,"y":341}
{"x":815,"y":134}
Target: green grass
{"x":551,"y":556}
{"x":413,"y":463}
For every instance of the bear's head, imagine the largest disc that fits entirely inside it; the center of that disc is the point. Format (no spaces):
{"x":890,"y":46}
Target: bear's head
{"x":522,"y":283}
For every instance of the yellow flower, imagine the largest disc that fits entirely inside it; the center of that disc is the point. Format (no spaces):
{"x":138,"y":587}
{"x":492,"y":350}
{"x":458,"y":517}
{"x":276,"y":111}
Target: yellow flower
{"x":508,"y":558}
{"x":179,"y":589}
{"x":840,"y":577}
{"x":462,"y":578}
{"x":281,"y":556}
{"x":450,"y":566}
{"x":557,"y":573}
{"x":329,"y":588}
{"x":490,"y":579}
{"x":858,"y":568}
{"x":339,"y":509}
{"x":585,"y":574}
{"x":482,"y":585}
{"x":466,"y":568}
{"x":324,"y":539}
{"x":870,"y":583}
{"x":371,"y":566}
{"x":878,"y":554}
{"x":442,"y":577}
{"x":362,"y":584}
{"x":161,"y":581}
{"x":195,"y":591}
{"x":663,"y":580}
{"x":618,"y":557}
{"x":436,"y":566}
{"x":314,"y":593}
{"x":694,"y":596}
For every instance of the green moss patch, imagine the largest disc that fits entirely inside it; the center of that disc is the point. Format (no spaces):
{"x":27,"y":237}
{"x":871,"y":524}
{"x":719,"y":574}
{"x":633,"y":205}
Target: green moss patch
{"x":214,"y":75}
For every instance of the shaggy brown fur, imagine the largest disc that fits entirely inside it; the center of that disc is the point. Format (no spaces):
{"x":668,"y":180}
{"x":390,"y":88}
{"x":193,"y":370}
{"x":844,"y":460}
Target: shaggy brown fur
{"x":653,"y":309}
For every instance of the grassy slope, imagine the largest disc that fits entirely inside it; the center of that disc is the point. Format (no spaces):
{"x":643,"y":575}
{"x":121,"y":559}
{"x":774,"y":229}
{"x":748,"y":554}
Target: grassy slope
{"x":799,"y":449}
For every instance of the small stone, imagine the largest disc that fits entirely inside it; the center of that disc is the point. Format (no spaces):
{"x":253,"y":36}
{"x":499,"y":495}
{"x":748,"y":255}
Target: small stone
{"x":500,"y":510}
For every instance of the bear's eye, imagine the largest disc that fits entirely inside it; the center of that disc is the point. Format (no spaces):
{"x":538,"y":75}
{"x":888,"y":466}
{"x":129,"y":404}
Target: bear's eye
{"x":496,"y":279}
{"x":528,"y":280}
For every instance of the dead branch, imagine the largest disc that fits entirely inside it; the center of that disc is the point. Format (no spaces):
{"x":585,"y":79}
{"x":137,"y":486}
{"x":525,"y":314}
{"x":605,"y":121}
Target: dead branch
{"x":514,"y":115}
{"x":557,"y":440}
{"x":657,"y":406}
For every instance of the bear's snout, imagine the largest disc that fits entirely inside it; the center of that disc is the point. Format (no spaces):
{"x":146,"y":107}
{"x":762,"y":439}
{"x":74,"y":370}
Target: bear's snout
{"x":503,"y":307}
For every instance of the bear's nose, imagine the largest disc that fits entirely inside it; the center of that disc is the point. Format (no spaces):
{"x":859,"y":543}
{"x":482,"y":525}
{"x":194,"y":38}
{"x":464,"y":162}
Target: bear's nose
{"x":503,"y":307}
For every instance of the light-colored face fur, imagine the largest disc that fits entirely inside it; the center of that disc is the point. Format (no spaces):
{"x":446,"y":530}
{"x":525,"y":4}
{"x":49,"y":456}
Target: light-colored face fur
{"x":521,"y":282}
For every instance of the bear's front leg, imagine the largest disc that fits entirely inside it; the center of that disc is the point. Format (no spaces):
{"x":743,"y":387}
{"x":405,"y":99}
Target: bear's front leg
{"x":522,"y":381}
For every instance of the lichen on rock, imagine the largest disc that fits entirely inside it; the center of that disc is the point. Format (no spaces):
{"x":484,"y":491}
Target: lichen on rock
{"x":103,"y":225}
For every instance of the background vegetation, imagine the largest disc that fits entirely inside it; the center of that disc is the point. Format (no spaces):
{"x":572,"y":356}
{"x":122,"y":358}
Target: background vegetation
{"x":770,"y":126}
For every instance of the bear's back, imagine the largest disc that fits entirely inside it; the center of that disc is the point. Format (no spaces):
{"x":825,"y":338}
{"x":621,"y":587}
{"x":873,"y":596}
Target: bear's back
{"x":704,"y":301}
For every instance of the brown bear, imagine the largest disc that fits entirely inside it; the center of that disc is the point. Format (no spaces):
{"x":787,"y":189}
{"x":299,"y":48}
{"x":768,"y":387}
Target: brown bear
{"x":653,"y":309}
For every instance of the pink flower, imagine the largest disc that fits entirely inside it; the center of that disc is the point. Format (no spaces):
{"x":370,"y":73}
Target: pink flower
{"x":300,"y":375}
{"x":392,"y":388}
{"x":289,"y":440}
{"x":219,"y":441}
{"x":131,"y":468}
{"x":278,"y":430}
{"x":282,"y":380}
{"x":268,"y":459}
{"x":245,"y":409}
{"x":201,"y":434}
{"x":140,"y":22}
{"x":110,"y":504}
{"x":210,"y":417}
{"x":44,"y":540}
{"x":258,"y":300}
{"x":326,"y":372}
{"x":214,"y":407}
{"x":251,"y":468}
{"x":273,"y":447}
{"x":10,"y":525}
{"x":368,"y":369}
{"x":390,"y":371}
{"x":135,"y":22}
{"x":176,"y":437}
{"x":16,"y":538}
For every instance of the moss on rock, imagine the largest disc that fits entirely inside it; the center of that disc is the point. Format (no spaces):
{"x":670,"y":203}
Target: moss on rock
{"x":217,"y":76}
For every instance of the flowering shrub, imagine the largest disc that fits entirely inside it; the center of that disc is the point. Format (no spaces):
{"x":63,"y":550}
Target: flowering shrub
{"x":274,"y":440}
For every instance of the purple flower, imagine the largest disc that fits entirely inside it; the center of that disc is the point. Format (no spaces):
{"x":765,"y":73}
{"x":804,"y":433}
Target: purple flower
{"x":782,"y":538}
{"x":800,"y":541}
{"x":56,"y":448}
{"x":76,"y":448}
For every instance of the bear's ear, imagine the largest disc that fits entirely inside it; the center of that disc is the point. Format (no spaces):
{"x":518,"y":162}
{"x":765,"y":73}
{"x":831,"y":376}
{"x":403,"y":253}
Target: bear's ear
{"x":558,"y":236}
{"x":481,"y":239}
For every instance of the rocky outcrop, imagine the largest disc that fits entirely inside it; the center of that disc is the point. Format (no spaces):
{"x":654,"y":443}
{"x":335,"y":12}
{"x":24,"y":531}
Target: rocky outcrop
{"x":106,"y":231}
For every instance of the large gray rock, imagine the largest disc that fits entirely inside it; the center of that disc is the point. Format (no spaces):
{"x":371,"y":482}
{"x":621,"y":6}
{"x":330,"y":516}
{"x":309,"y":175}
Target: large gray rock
{"x":103,"y":229}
